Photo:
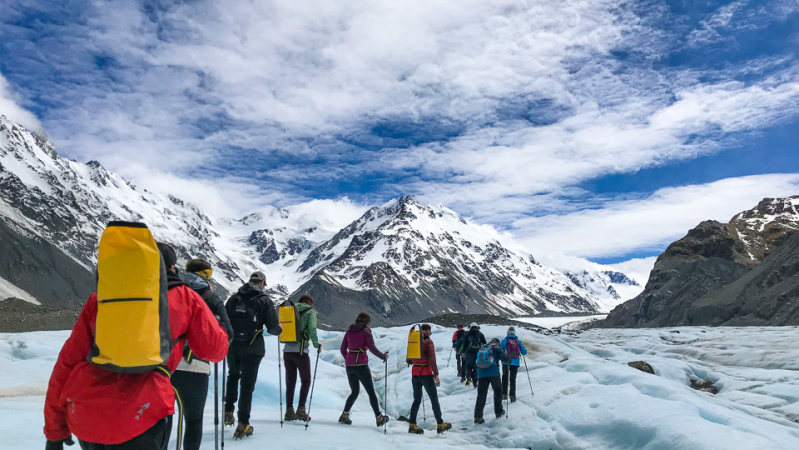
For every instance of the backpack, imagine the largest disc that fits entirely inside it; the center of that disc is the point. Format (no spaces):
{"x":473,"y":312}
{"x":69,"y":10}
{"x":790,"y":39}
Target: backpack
{"x":512,"y":348}
{"x":415,"y":350}
{"x":473,"y":342}
{"x":243,"y":318}
{"x":132,"y":332}
{"x":289,"y":319}
{"x":485,"y":357}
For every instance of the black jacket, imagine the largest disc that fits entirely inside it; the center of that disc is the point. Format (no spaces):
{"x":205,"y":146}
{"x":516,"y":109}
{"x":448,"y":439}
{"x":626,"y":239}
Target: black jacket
{"x":463,"y":342}
{"x":265,"y":316}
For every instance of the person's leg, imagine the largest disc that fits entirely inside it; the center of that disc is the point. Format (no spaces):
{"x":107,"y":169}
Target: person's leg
{"x":291,"y":376}
{"x":482,"y":392}
{"x":505,"y":379}
{"x":155,"y":438}
{"x":459,"y":365}
{"x":355,"y":387}
{"x":234,"y":374}
{"x":416,"y":382}
{"x":429,"y":383}
{"x":193,"y":390}
{"x":473,"y":368}
{"x":249,"y":374}
{"x":304,"y":367}
{"x":496,"y":385}
{"x":514,"y":370}
{"x":365,"y":375}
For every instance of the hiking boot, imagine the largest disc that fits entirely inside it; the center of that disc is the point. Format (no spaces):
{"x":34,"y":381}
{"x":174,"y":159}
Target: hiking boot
{"x":479,"y":420}
{"x":290,"y":414}
{"x":468,"y":382}
{"x":414,"y":429}
{"x":500,"y":414}
{"x":442,"y":427}
{"x":242,"y":430}
{"x":229,"y":419}
{"x":381,"y":419}
{"x":512,"y":399}
{"x":302,"y":415}
{"x":345,"y":418}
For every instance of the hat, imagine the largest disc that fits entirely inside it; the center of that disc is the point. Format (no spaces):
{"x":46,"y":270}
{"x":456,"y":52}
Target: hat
{"x":460,"y":327}
{"x":168,"y":253}
{"x":258,"y":277}
{"x":474,"y":325}
{"x":494,"y":341}
{"x":511,"y":330}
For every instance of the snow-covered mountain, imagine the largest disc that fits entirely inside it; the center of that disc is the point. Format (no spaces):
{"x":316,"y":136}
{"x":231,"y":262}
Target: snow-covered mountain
{"x":401,"y":261}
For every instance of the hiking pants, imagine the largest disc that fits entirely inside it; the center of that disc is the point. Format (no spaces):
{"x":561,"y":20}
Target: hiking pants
{"x":460,"y":365}
{"x":470,"y":367}
{"x":193,"y":390}
{"x":428,"y":381}
{"x":358,"y":375}
{"x":482,"y":391}
{"x":301,"y":362}
{"x":509,"y":375}
{"x":155,"y":438}
{"x":245,"y":368}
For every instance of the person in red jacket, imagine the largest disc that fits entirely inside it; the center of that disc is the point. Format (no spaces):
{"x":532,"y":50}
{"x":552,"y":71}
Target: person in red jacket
{"x":425,"y":373}
{"x":110,"y":410}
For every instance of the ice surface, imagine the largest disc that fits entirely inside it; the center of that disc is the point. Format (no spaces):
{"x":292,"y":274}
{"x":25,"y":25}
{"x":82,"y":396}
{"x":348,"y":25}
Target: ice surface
{"x":586,"y":397}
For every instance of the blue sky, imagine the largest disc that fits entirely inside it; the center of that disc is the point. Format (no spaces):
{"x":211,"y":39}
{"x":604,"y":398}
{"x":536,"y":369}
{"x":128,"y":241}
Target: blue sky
{"x":600,"y":129}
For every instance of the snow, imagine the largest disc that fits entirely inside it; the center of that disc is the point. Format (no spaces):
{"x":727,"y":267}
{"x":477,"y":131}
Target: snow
{"x":8,"y":289}
{"x":586,"y":397}
{"x":557,"y":322}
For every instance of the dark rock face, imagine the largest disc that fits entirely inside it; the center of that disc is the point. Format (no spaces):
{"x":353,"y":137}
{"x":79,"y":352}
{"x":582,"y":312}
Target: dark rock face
{"x":643,"y":366}
{"x":742,"y":273}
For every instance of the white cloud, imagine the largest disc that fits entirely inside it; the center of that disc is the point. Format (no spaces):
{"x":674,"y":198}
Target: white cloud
{"x":637,"y":268}
{"x":9,"y":107}
{"x":652,"y":222}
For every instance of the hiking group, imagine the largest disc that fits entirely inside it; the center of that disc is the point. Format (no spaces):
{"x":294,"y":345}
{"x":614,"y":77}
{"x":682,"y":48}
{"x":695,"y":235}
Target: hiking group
{"x":146,"y":339}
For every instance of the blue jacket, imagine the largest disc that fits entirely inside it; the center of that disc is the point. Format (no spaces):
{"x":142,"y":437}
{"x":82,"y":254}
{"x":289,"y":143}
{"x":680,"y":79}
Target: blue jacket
{"x":493,"y":371}
{"x":504,"y":343}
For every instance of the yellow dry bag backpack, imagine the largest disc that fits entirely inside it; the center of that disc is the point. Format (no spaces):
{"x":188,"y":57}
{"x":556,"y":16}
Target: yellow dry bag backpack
{"x":132,"y":327}
{"x":415,"y":344}
{"x":289,"y":319}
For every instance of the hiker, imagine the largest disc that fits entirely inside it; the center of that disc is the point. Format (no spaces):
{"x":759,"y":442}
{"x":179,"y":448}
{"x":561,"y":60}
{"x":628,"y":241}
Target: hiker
{"x":458,"y":360}
{"x":105,"y":409}
{"x":250,"y":311}
{"x":295,"y":355}
{"x":488,"y":359}
{"x":469,"y":344}
{"x":191,"y":376}
{"x":353,"y":347}
{"x":425,"y":373}
{"x":514,"y":347}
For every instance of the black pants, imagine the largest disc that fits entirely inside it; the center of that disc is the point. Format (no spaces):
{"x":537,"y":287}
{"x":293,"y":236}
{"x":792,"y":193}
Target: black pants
{"x":193,"y":390}
{"x":509,"y":377}
{"x":459,"y":361}
{"x":297,"y":362}
{"x":244,"y":367}
{"x":482,"y":392}
{"x":470,"y":367}
{"x":428,"y":381}
{"x":357,"y":376}
{"x":155,"y":438}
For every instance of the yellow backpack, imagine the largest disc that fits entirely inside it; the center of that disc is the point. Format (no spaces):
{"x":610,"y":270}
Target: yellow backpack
{"x":132,"y":327}
{"x":415,"y":350}
{"x":289,"y":319}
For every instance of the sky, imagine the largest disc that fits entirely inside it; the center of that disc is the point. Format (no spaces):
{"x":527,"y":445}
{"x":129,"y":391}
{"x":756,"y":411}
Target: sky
{"x":594,"y":128}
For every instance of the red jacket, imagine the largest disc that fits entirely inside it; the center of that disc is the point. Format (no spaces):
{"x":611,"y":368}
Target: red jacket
{"x":426,"y":366}
{"x":106,"y":407}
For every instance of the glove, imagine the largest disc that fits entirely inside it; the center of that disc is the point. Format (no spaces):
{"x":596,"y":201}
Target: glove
{"x":58,"y":445}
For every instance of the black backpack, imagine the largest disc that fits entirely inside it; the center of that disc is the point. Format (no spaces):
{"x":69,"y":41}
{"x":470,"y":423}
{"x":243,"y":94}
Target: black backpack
{"x":473,"y":343}
{"x":243,"y":314}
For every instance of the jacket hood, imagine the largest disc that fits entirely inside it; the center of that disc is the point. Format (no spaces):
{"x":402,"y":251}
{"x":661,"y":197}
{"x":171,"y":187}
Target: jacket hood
{"x":302,"y":307}
{"x":357,"y":326}
{"x":512,"y":336}
{"x":250,"y":289}
{"x":195,"y":281}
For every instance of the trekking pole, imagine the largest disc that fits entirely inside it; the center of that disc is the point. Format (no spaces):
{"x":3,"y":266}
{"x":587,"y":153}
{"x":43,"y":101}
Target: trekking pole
{"x":313,"y":383}
{"x":385,"y":393}
{"x":450,"y":357}
{"x":528,"y":375}
{"x":216,"y":406}
{"x":280,"y":381}
{"x":424,"y":413}
{"x":224,"y":383}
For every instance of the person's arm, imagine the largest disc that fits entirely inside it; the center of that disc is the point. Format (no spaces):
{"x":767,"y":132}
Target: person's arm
{"x":344,"y":346}
{"x":501,"y":355}
{"x":206,"y":337}
{"x":218,"y":309}
{"x":483,"y":339}
{"x":271,"y":322}
{"x":370,"y":343}
{"x":75,"y":350}
{"x":311,"y":330}
{"x":504,"y":344}
{"x":431,"y":356}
